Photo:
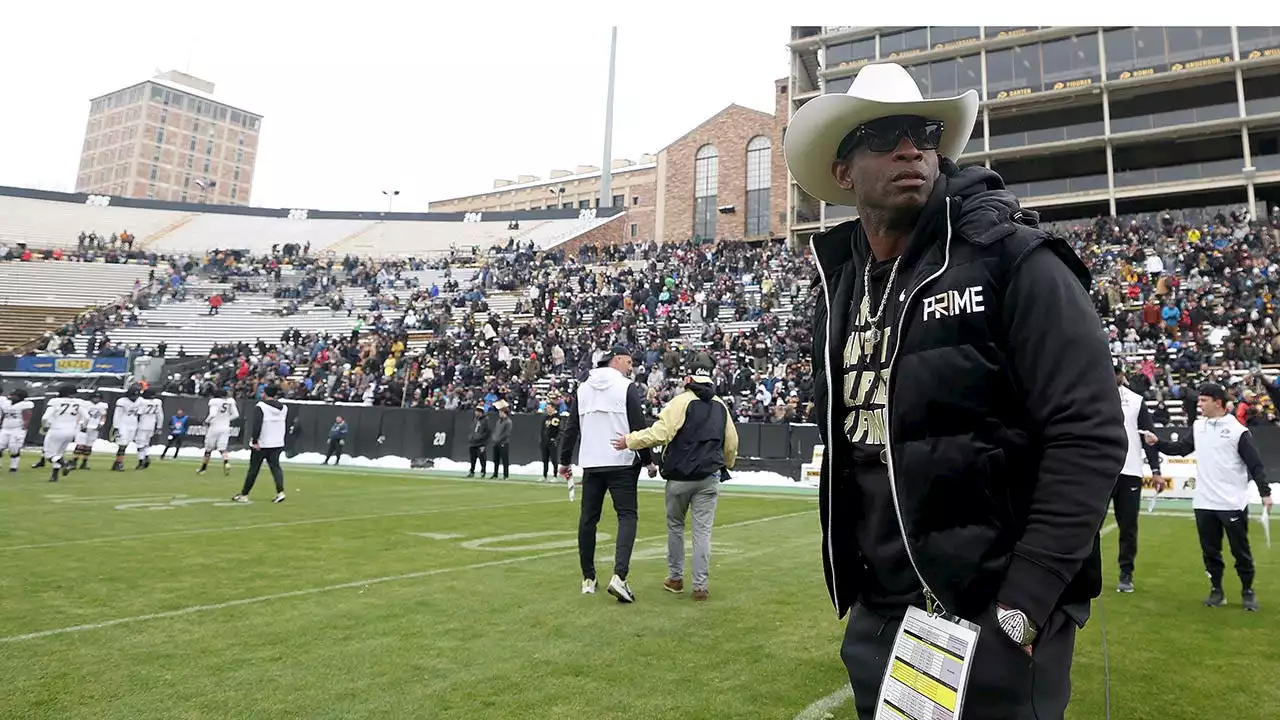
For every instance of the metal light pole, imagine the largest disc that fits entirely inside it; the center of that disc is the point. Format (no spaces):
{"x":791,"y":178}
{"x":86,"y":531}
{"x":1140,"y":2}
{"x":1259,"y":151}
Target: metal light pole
{"x":606,"y":170}
{"x":391,"y":196}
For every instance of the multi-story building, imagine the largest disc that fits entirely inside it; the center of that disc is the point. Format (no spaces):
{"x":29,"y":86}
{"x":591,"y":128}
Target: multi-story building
{"x":723,"y":179}
{"x":1080,"y":121}
{"x":167,"y":138}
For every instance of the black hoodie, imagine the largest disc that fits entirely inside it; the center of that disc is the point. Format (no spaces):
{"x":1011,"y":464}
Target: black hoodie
{"x":699,"y":434}
{"x":1003,"y":433}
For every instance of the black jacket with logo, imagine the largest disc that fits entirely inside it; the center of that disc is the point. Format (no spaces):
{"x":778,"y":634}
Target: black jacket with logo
{"x":550,"y":431}
{"x":1003,"y":426}
{"x":480,"y":431}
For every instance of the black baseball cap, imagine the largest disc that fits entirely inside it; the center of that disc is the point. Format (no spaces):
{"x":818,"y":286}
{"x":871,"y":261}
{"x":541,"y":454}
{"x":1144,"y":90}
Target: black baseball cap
{"x":618,"y":350}
{"x":1213,"y":390}
{"x":699,"y":367}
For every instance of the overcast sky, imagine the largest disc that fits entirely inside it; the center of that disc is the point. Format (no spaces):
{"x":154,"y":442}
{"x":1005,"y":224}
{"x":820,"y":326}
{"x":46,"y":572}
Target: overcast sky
{"x":378,"y":98}
{"x":436,"y":98}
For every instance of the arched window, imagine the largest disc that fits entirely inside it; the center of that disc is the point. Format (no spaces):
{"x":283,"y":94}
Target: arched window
{"x":706,"y":183}
{"x":759,"y":174}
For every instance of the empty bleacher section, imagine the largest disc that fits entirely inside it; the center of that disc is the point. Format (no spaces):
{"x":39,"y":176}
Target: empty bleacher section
{"x":36,"y":297}
{"x":210,"y":231}
{"x":41,"y":224}
{"x":548,"y":235}
{"x":45,"y":220}
{"x":20,"y":326}
{"x":424,"y":239}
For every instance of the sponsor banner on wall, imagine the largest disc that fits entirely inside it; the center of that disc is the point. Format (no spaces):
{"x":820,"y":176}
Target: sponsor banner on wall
{"x":1147,"y":71}
{"x":1016,"y":92}
{"x":49,"y":364}
{"x":1072,"y":84}
{"x":1200,"y":64}
{"x":1262,"y":52}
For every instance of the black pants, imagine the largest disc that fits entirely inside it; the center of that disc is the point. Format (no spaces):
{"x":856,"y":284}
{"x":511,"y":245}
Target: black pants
{"x":1126,"y":501}
{"x":335,"y":451}
{"x":477,"y":453}
{"x":175,"y":442}
{"x":621,"y":486}
{"x":548,"y":459}
{"x":1004,"y":683}
{"x":272,"y":456}
{"x":501,"y":456}
{"x":1211,"y":524}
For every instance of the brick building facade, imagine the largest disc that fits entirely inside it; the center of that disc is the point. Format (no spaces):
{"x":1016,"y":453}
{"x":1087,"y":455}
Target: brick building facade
{"x":741,"y":151}
{"x":662,"y":195}
{"x":166,"y":138}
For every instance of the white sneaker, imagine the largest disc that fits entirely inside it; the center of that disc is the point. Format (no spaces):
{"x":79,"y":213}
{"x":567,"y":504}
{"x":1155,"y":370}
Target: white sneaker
{"x":240,"y":499}
{"x":588,"y":586}
{"x":571,"y":489}
{"x":279,"y":498}
{"x":621,"y":590}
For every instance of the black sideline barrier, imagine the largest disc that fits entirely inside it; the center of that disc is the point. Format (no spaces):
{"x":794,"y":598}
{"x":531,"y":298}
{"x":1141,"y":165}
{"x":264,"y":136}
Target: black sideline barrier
{"x":425,"y":435}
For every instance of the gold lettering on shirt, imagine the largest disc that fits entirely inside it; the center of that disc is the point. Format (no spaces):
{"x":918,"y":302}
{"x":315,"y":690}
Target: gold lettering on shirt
{"x":865,"y":388}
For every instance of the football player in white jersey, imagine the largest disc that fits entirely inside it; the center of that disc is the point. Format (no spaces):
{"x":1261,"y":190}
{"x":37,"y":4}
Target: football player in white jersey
{"x":125,"y":424}
{"x":96,"y":413}
{"x":217,"y":429}
{"x":15,"y":415}
{"x":63,"y":417}
{"x":150,"y":412}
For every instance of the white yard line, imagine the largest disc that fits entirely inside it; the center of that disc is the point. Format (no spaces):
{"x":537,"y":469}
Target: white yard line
{"x":822,"y":707}
{"x":341,"y":586}
{"x":260,"y":526}
{"x":728,"y":489}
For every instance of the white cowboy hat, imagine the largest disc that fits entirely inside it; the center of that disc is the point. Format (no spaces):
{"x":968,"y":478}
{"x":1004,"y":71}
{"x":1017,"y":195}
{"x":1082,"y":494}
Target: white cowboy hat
{"x":879,"y":90}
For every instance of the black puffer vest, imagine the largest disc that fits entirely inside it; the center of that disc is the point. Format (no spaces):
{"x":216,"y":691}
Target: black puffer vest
{"x":957,"y":425}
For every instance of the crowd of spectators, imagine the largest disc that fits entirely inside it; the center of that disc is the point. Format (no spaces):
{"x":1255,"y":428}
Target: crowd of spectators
{"x":1183,"y":297}
{"x":1189,"y":296}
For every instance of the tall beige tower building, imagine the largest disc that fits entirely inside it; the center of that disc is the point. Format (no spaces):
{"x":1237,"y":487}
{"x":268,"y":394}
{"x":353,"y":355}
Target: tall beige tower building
{"x":167,"y":138}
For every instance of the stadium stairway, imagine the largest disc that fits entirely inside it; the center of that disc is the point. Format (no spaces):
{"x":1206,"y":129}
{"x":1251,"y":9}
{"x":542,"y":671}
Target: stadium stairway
{"x":156,"y":237}
{"x":38,"y":297}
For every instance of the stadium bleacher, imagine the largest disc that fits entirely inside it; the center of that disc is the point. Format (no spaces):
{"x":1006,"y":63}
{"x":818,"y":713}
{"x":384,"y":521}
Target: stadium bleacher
{"x":37,"y":297}
{"x":44,"y":224}
{"x":57,"y":223}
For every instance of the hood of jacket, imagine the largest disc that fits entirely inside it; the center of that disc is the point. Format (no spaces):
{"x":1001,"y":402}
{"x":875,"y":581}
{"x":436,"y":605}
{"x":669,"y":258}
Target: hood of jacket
{"x":979,"y":200}
{"x":602,"y":378}
{"x":272,"y":402}
{"x":702,"y":387}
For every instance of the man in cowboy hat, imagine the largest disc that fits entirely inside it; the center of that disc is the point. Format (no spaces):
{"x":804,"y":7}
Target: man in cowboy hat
{"x":966,"y":399}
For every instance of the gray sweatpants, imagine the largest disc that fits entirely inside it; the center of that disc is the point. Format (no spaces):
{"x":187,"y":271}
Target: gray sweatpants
{"x":702,"y":495}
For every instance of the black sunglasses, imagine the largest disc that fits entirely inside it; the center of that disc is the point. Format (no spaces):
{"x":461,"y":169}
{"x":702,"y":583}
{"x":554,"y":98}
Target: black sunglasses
{"x":884,"y":134}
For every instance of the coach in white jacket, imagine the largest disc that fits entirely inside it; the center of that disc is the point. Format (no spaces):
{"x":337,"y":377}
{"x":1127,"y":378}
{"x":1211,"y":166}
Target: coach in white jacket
{"x":1126,"y":498}
{"x":1226,"y":460}
{"x":607,"y":405}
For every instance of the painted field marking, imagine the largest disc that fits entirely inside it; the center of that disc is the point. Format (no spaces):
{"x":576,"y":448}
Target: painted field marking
{"x":340,"y":586}
{"x":822,"y":707}
{"x":261,"y":526}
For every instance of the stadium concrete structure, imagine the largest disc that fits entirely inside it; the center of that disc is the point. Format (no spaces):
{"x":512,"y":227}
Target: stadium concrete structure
{"x":46,"y":220}
{"x":724,"y":179}
{"x":1080,"y":121}
{"x":168,"y":138}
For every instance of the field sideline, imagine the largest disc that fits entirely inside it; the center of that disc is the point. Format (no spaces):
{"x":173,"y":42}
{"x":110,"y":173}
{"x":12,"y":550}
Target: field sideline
{"x":400,"y":594}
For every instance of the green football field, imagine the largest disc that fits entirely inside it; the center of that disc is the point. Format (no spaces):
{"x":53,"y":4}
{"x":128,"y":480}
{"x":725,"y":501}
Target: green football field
{"x":374,"y":594}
